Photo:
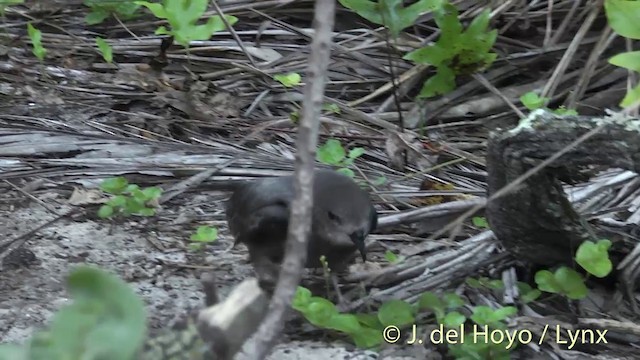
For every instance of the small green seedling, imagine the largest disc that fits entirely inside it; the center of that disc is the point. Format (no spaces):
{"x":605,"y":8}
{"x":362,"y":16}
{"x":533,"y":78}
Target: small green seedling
{"x":5,"y":3}
{"x":104,"y":311}
{"x":480,"y":221}
{"x":331,"y":108}
{"x":365,"y":330}
{"x":527,"y":293}
{"x":182,"y":17}
{"x":457,"y":51}
{"x":128,"y":199}
{"x":204,"y":235}
{"x":533,"y":101}
{"x":564,"y":281}
{"x":446,"y":308}
{"x":392,"y":258}
{"x":105,"y":49}
{"x":392,"y":13}
{"x":36,"y":39}
{"x":332,"y":153}
{"x":594,"y":257}
{"x":288,"y":80}
{"x":622,"y":16}
{"x":102,"y":9}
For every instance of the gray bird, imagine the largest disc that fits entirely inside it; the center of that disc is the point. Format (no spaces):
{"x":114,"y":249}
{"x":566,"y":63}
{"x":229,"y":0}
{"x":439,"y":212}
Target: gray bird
{"x":342,"y":217}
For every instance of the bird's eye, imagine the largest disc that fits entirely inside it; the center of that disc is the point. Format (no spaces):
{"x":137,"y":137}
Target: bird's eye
{"x":334,"y":217}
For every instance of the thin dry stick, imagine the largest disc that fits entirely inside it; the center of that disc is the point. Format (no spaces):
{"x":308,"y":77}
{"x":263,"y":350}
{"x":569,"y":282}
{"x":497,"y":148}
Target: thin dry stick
{"x":551,"y":85}
{"x":300,"y":224}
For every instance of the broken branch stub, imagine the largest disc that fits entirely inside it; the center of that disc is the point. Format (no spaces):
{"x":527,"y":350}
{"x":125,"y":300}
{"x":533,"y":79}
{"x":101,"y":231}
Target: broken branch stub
{"x":536,"y":222}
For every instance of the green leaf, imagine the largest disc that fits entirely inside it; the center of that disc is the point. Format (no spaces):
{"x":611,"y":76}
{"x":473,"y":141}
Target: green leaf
{"x":96,"y":16}
{"x":434,"y":55}
{"x":331,"y":153}
{"x":118,"y":201}
{"x":301,"y":299}
{"x":152,"y":193}
{"x":572,"y":283}
{"x":288,"y":80}
{"x":156,"y":8}
{"x":390,"y":256}
{"x":105,"y":49}
{"x":346,"y":323}
{"x":453,"y":319}
{"x":632,"y":97}
{"x":628,"y":60}
{"x":474,"y":283}
{"x":365,"y":8}
{"x":530,"y":296}
{"x":347,"y":172}
{"x":527,"y":293}
{"x":439,"y":84}
{"x":147,"y":212}
{"x":367,"y":338}
{"x":450,"y":27}
{"x":104,"y":312}
{"x":205,"y":234}
{"x":594,"y":257}
{"x":396,"y":17}
{"x":320,"y":311}
{"x":105,"y":211}
{"x":114,"y":185}
{"x":356,"y":153}
{"x":503,"y":313}
{"x":452,"y":300}
{"x":546,"y":281}
{"x":482,"y":315}
{"x":562,"y":111}
{"x":370,"y":320}
{"x":430,"y":301}
{"x":396,"y":312}
{"x":36,"y":39}
{"x":623,"y":16}
{"x":495,"y":284}
{"x":565,"y":281}
{"x":480,"y":221}
{"x":331,"y":108}
{"x":533,"y":101}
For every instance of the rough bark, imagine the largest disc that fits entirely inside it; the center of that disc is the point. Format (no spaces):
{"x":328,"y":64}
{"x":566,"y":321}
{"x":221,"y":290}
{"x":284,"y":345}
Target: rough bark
{"x":536,"y":222}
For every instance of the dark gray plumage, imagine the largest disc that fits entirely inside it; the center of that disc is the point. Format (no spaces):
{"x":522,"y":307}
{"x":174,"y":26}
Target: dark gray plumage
{"x":343,"y":215}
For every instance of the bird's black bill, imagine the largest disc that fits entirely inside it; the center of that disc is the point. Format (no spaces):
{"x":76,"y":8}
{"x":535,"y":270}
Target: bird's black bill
{"x":358,"y":240}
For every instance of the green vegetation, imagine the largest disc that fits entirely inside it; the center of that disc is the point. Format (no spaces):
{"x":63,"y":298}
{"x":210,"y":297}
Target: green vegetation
{"x":480,"y":221}
{"x":182,"y":17}
{"x":106,"y":320}
{"x":102,"y":9}
{"x":288,"y":80}
{"x":591,"y":256}
{"x":36,"y":39}
{"x":5,"y":3}
{"x":333,"y":153}
{"x":105,"y":49}
{"x":456,"y":52}
{"x":392,"y":258}
{"x":623,"y":16}
{"x":204,"y":235}
{"x":128,"y":199}
{"x":533,"y":101}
